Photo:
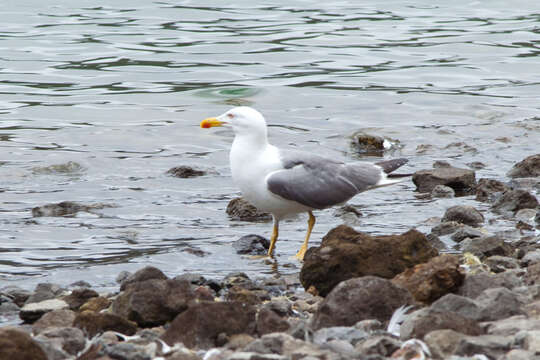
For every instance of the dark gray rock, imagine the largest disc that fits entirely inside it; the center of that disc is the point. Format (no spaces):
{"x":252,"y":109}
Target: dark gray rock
{"x":498,"y":303}
{"x":514,"y":200}
{"x":486,"y":246}
{"x":528,"y":167}
{"x":346,"y":333}
{"x":146,"y":273}
{"x":240,"y":209}
{"x":446,"y":228}
{"x":461,"y":305}
{"x":17,"y":294}
{"x":33,"y":311}
{"x":44,"y":291}
{"x":488,"y":189}
{"x":464,"y":214}
{"x":56,"y":318}
{"x":475,"y":284}
{"x":251,"y":244}
{"x":185,"y":172}
{"x":493,"y":346}
{"x":443,"y":191}
{"x":374,"y":298}
{"x":69,"y":339}
{"x":463,"y":181}
{"x":466,"y":232}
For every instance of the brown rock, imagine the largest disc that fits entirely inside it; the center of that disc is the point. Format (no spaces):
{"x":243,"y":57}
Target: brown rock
{"x":269,"y":321}
{"x":146,"y":273}
{"x":432,"y":280}
{"x":200,"y":325}
{"x":486,"y":246}
{"x":425,"y":320}
{"x":79,"y":297}
{"x":464,"y":214}
{"x":18,"y":345}
{"x":96,"y":304}
{"x":345,"y":253}
{"x":56,"y":318}
{"x":528,"y":167}
{"x":185,"y":172}
{"x":153,"y":302}
{"x":240,"y":209}
{"x":357,"y":299}
{"x":443,"y":343}
{"x":96,"y":323}
{"x":251,"y":297}
{"x":463,"y":181}
{"x":515,"y":200}
{"x":487,"y":188}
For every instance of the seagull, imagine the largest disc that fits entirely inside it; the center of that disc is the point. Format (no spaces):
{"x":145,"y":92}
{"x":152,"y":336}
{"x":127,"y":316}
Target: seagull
{"x":287,"y":182}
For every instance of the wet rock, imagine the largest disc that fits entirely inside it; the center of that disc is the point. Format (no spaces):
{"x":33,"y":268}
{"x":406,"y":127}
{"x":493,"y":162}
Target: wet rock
{"x":463,"y":181}
{"x":493,"y":346}
{"x":446,"y":228}
{"x":487,"y":189}
{"x":146,"y":273}
{"x":71,"y":167}
{"x":345,"y":254}
{"x":18,"y":345}
{"x":382,"y":345}
{"x":486,"y":246}
{"x":350,"y":334}
{"x":442,"y":191}
{"x":192,"y":278}
{"x":56,"y":318}
{"x":200,"y":325}
{"x":443,"y":343}
{"x":153,"y":302}
{"x":475,"y":284}
{"x":269,"y":321}
{"x":246,"y":296}
{"x":374,"y":298}
{"x":239,"y":279}
{"x":465,"y":232}
{"x":96,"y":304}
{"x":31,"y":312}
{"x":514,"y":200}
{"x":429,"y":281}
{"x":17,"y":294}
{"x":528,"y":167}
{"x":364,"y":143}
{"x":464,"y":214}
{"x":78,"y":297}
{"x":69,"y":339}
{"x":65,"y":208}
{"x":476,"y":165}
{"x":44,"y":291}
{"x":498,"y":264}
{"x":425,"y":320}
{"x":185,"y":172}
{"x":95,"y":323}
{"x":282,"y":306}
{"x":240,"y":209}
{"x":251,"y":244}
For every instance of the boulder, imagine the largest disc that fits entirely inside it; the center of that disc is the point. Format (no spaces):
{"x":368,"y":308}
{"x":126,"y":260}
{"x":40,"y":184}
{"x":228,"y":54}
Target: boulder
{"x":345,"y":253}
{"x":486,"y":246}
{"x":251,"y":244}
{"x":463,"y":214}
{"x":56,"y":318}
{"x":200,"y":325}
{"x":78,"y":297}
{"x":33,"y":311}
{"x":463,"y":181}
{"x":475,"y":284}
{"x":429,"y":281}
{"x":240,"y":209}
{"x":44,"y":291}
{"x":269,"y":321}
{"x":95,"y":323}
{"x":515,"y":200}
{"x":460,"y":305}
{"x":17,"y":294}
{"x":498,"y":303}
{"x":69,"y":339}
{"x":487,"y":189}
{"x":368,"y":297}
{"x":528,"y":167}
{"x":146,"y":273}
{"x":96,"y":304}
{"x":15,"y":344}
{"x":153,"y":302}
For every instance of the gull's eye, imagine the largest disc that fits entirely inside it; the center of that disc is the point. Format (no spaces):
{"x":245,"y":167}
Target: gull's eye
{"x":230,"y":116}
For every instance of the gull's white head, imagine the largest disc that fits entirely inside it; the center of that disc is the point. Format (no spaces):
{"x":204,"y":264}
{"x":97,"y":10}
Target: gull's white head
{"x":243,"y":120}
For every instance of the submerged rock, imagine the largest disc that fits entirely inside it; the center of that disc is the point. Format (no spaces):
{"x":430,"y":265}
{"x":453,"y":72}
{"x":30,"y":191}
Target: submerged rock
{"x":528,"y":167}
{"x":185,"y":172}
{"x":66,"y":208}
{"x":240,"y":209}
{"x":71,"y":167}
{"x":464,"y":214}
{"x":514,"y":200}
{"x":251,"y":244}
{"x":487,"y":189}
{"x":443,"y":191}
{"x":374,"y":298}
{"x":461,"y":180}
{"x":345,"y":253}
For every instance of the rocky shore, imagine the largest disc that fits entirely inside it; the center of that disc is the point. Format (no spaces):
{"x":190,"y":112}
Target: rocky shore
{"x":405,"y":296}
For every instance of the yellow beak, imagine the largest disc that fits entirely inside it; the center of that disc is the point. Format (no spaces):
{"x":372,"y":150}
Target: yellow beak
{"x":211,"y":122}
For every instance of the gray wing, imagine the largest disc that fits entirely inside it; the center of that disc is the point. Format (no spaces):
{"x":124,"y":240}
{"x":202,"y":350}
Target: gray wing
{"x":319,"y":182}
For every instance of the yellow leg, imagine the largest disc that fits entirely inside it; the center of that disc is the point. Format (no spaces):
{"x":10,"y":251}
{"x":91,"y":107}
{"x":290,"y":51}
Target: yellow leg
{"x":311,"y":222}
{"x":274,"y":237}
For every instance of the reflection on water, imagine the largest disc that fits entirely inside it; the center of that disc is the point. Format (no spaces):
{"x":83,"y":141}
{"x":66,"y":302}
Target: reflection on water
{"x":119,"y":91}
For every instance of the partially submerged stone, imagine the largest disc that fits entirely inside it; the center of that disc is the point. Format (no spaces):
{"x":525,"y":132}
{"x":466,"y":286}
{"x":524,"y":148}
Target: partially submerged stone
{"x":463,"y":181}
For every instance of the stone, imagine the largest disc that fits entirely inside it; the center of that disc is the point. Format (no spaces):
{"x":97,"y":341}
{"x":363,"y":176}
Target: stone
{"x":153,"y":302}
{"x":463,"y":181}
{"x":239,"y":341}
{"x":252,"y":297}
{"x":345,"y":253}
{"x":531,"y":257}
{"x":251,"y":244}
{"x":466,"y":232}
{"x":125,"y":351}
{"x":532,"y":341}
{"x":69,"y":339}
{"x":33,"y":311}
{"x":498,"y":303}
{"x":241,"y":210}
{"x":520,"y":354}
{"x":464,"y":214}
{"x":364,"y":143}
{"x":146,"y":273}
{"x":486,"y":246}
{"x":443,"y":343}
{"x":95,"y":304}
{"x":492,"y":346}
{"x":17,"y":294}
{"x":446,"y":228}
{"x":443,"y":191}
{"x":78,"y":297}
{"x":498,"y":264}
{"x":18,"y":345}
{"x":200,"y":325}
{"x":346,"y":333}
{"x":255,"y":356}
{"x":512,"y":325}
{"x":532,"y":277}
{"x":487,"y":189}
{"x":56,"y":318}
{"x":65,"y":208}
{"x":269,"y":321}
{"x":44,"y":291}
{"x":512,"y":201}
{"x":458,"y":304}
{"x":185,"y":172}
{"x":374,"y":298}
{"x":95,"y":323}
{"x":425,"y":320}
{"x":429,"y":281}
{"x":528,"y":167}
{"x":475,"y":284}
{"x":383,"y":345}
